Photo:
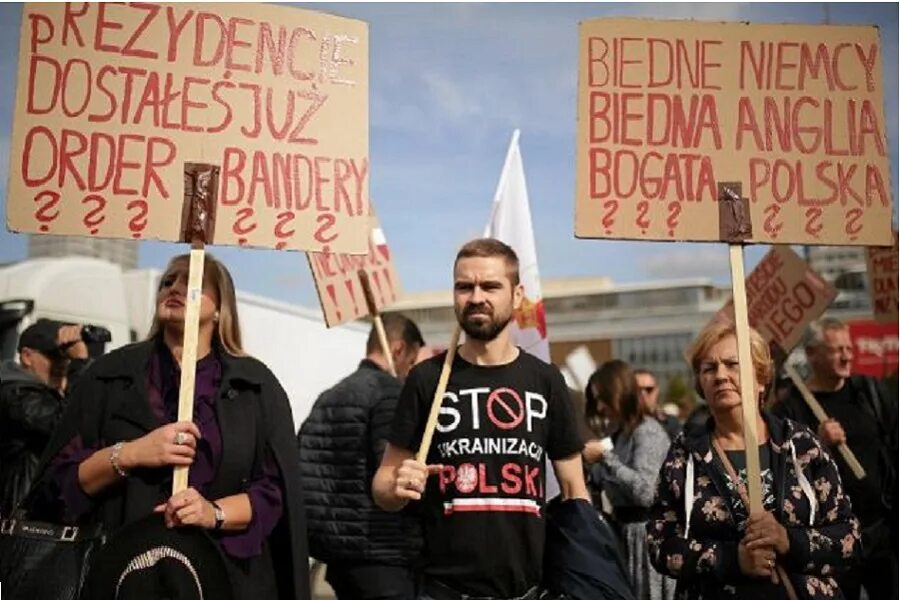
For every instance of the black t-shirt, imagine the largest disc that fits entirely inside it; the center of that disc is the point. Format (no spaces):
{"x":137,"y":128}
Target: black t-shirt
{"x":863,"y":437}
{"x":482,"y":519}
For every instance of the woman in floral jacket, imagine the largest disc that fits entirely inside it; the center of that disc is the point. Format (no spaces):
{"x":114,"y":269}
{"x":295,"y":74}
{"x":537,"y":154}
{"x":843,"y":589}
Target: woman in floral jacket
{"x":791,"y":550}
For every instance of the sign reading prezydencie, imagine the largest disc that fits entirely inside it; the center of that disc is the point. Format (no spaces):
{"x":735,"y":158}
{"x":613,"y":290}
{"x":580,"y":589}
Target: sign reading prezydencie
{"x":113,"y":99}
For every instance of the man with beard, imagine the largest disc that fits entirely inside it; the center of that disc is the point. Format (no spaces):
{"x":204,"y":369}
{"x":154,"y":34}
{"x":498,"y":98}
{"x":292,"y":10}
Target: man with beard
{"x":502,"y":412}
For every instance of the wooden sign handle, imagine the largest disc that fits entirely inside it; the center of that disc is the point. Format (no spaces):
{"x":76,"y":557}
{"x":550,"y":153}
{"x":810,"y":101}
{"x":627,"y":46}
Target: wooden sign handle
{"x":749,"y":401}
{"x":425,"y":446}
{"x":189,"y":351}
{"x":821,"y":415}
{"x":376,"y":319}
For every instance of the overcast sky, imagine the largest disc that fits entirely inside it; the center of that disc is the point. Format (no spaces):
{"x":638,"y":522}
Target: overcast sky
{"x":448,"y":85}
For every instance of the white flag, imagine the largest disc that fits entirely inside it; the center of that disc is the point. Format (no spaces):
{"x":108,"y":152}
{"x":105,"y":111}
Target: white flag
{"x":510,"y":223}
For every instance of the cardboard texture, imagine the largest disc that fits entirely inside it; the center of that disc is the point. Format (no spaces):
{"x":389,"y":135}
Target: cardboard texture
{"x":112,"y":101}
{"x":783,"y":296}
{"x":338,"y":283}
{"x":790,"y":114}
{"x":882,"y":271}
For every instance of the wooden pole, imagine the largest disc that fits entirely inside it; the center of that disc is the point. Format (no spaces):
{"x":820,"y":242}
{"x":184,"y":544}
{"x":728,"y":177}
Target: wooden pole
{"x":749,"y":401}
{"x":425,"y":446}
{"x":376,"y":319}
{"x":189,"y":351}
{"x":821,"y":415}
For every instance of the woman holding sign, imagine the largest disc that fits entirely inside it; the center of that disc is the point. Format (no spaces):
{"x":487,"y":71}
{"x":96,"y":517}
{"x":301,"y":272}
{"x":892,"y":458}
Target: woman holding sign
{"x":112,"y":456}
{"x":701,"y":531}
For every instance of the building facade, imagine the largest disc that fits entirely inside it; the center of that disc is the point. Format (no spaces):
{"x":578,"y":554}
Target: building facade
{"x":648,"y":325}
{"x":120,"y":252}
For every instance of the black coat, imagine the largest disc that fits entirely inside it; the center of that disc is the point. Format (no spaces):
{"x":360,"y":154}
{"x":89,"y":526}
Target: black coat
{"x":696,"y":542}
{"x":341,"y":444}
{"x":581,"y":554}
{"x":110,"y":403}
{"x":29,"y":411}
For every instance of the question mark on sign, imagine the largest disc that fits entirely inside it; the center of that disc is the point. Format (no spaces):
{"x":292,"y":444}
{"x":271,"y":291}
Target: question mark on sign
{"x":772,"y":225}
{"x":642,"y":220}
{"x":94,"y":217}
{"x":611,"y":207}
{"x":43,"y":213}
{"x":138,"y":220}
{"x":244,"y":224}
{"x":674,"y":213}
{"x":813,"y":221}
{"x":853,"y":226}
{"x":282,"y":232}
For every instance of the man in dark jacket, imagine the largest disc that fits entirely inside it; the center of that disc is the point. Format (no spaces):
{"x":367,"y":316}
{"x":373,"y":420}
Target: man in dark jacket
{"x":51,"y":355}
{"x":369,"y":552}
{"x":864,"y":417}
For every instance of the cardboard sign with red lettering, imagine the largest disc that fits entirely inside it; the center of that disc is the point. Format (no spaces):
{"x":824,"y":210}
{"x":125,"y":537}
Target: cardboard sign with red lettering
{"x":338,"y":282}
{"x":875,"y":348}
{"x":732,"y":132}
{"x":112,"y":100}
{"x":783,"y":296}
{"x":882,"y":269}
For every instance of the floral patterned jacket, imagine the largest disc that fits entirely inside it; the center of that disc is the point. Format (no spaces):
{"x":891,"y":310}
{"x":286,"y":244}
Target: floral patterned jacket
{"x":823,"y":533}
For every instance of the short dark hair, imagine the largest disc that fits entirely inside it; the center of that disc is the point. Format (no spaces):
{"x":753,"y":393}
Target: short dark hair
{"x":489,"y":247}
{"x":396,"y":327}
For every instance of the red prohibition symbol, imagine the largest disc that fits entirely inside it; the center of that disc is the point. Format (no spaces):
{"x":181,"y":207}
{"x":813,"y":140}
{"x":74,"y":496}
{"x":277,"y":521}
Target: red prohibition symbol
{"x":505,"y":408}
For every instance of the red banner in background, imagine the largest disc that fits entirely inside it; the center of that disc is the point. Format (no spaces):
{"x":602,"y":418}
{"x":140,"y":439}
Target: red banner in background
{"x":874,"y":347}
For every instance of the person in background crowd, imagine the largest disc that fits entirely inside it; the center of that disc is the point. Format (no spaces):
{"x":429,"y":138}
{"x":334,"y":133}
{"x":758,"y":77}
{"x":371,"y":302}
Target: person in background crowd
{"x":628,"y":469}
{"x":701,"y":530}
{"x":111,"y":457}
{"x":369,"y":553}
{"x":51,"y":357}
{"x":504,"y":412}
{"x":864,"y":416}
{"x":649,"y":390}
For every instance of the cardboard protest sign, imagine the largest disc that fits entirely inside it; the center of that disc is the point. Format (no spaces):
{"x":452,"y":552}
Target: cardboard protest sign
{"x":338,"y":281}
{"x":733,"y":132}
{"x":112,"y":100}
{"x":783,"y":296}
{"x":882,"y":270}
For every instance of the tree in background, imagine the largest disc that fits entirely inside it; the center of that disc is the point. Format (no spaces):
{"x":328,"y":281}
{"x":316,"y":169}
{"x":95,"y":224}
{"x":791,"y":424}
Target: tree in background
{"x":679,"y":393}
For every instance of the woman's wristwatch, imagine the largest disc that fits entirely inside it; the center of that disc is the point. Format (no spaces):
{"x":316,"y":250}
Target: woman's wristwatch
{"x":219,"y":515}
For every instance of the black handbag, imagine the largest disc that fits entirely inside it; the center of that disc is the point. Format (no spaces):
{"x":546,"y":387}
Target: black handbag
{"x":45,"y":561}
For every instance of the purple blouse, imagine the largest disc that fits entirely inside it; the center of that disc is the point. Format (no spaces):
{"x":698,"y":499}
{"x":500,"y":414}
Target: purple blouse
{"x":164,"y":377}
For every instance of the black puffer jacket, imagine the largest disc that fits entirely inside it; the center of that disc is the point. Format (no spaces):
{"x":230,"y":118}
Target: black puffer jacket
{"x":341,"y":443}
{"x":29,"y":411}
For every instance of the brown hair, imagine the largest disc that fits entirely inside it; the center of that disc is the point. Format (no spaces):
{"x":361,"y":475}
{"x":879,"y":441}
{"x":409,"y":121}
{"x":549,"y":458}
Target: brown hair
{"x":228,"y":332}
{"x":719,"y":330}
{"x":489,"y":247}
{"x":614,"y":385}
